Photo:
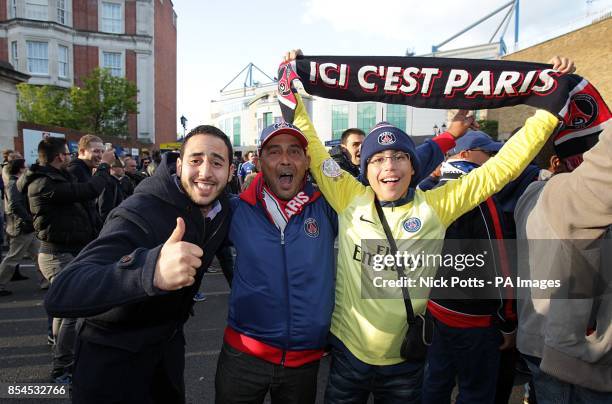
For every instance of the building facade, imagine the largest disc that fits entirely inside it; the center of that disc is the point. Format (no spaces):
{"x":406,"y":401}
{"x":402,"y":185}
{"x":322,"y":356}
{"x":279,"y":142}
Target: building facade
{"x":9,"y":78}
{"x":59,"y":42}
{"x":243,"y":113}
{"x":590,"y":48}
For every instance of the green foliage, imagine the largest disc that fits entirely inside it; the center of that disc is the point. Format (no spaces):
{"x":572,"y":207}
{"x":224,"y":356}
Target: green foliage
{"x":489,"y":127}
{"x":46,"y":105}
{"x":101,"y":106}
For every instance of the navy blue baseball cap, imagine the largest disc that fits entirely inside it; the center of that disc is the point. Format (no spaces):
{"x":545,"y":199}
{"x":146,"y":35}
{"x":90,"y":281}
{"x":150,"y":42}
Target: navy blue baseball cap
{"x":281,"y":128}
{"x":385,"y":136}
{"x":475,"y":139}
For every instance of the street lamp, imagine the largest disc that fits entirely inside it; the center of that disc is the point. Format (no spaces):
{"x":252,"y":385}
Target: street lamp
{"x":183,"y":124}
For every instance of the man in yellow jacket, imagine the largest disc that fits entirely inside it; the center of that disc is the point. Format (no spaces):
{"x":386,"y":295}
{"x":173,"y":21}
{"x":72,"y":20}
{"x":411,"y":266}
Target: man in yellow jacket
{"x":367,"y":333}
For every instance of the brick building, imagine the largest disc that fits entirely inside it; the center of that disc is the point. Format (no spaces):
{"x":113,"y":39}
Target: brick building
{"x":591,"y":49}
{"x":58,"y":42}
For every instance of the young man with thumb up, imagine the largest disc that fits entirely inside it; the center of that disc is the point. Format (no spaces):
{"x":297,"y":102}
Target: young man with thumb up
{"x":134,"y":285}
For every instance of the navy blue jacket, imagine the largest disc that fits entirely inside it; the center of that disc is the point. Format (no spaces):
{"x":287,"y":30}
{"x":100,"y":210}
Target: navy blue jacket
{"x":110,"y":282}
{"x":283,"y":286}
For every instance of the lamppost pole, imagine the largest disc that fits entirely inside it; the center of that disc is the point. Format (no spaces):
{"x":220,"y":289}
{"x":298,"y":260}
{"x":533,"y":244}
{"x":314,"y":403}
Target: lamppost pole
{"x":183,"y":124}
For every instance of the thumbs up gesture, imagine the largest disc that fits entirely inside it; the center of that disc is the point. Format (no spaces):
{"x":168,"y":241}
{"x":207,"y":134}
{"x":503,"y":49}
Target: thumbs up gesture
{"x":178,"y":261}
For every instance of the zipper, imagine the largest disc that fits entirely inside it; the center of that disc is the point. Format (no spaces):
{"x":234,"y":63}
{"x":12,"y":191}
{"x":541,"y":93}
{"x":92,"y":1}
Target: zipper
{"x":288,"y":328}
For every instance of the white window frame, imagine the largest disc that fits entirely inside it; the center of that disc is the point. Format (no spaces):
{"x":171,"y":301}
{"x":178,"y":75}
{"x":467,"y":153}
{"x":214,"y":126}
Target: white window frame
{"x":65,"y":62}
{"x":104,"y":21}
{"x":36,"y":58}
{"x":15,"y":55}
{"x":37,"y":13}
{"x":12,"y":8}
{"x":121,"y":61}
{"x":62,"y":14}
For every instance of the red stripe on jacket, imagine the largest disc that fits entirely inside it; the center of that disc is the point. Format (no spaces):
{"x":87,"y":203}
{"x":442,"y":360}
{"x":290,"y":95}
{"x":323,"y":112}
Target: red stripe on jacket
{"x":456,"y":319}
{"x":277,"y":356}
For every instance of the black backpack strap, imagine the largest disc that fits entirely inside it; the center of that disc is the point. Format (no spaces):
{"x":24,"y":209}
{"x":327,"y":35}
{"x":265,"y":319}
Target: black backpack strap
{"x":400,"y":271}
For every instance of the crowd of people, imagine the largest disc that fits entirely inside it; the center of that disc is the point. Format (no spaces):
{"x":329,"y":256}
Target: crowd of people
{"x":142,"y":248}
{"x":53,"y":209}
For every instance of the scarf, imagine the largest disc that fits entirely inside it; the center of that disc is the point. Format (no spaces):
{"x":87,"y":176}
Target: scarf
{"x":444,"y":83}
{"x":281,"y":211}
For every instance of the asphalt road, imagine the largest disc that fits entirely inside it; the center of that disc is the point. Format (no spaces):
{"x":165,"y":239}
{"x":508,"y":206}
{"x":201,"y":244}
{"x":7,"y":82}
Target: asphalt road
{"x":25,"y":356}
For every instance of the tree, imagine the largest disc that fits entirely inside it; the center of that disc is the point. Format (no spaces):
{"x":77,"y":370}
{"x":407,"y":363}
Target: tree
{"x":101,"y":106}
{"x":45,"y":105}
{"x":489,"y":127}
{"x":104,"y":102}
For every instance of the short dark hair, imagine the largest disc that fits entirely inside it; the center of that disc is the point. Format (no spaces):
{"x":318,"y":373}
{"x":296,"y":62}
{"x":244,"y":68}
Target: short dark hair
{"x":209,"y":130}
{"x":14,"y":166}
{"x":349,"y":132}
{"x":49,"y":148}
{"x":542,"y":159}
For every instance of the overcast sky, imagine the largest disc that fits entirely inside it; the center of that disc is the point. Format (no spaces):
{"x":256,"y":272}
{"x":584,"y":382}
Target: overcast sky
{"x":217,"y":38}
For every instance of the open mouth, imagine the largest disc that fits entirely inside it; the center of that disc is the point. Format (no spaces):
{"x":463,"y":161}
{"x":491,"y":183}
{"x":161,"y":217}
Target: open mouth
{"x":285,"y":179}
{"x":390,"y":180}
{"x":204,"y":186}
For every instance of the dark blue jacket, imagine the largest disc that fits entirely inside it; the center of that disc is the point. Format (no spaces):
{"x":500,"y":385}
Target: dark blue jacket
{"x":283,"y":286}
{"x":110,"y":283}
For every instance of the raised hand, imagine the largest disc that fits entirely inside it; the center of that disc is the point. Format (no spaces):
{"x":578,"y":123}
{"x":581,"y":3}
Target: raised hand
{"x":563,"y":65}
{"x":292,"y":55}
{"x":178,"y":261}
{"x":461,"y":123}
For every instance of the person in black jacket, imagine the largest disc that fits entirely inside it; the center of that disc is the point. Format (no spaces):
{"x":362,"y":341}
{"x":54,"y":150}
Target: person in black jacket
{"x":348,"y":153}
{"x":126,"y":186}
{"x":63,"y":224}
{"x":131,"y":171}
{"x":18,"y":226}
{"x":91,"y":156}
{"x":471,"y":325}
{"x":114,"y":191}
{"x":134,"y":284}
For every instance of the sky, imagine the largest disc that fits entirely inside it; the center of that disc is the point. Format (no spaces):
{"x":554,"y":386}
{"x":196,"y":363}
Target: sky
{"x":216,"y":39}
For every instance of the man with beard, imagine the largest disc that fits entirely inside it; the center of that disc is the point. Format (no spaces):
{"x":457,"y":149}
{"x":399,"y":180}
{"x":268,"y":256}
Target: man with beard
{"x":134,"y":284}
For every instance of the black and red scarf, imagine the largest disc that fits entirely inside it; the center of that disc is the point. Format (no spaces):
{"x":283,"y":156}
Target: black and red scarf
{"x":445,"y":83}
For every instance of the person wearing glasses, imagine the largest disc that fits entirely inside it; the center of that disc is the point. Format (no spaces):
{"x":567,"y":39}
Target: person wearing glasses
{"x":63,"y":224}
{"x":367,"y":331}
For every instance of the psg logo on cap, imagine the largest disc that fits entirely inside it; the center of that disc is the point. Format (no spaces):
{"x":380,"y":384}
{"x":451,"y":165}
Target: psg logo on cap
{"x":311,"y":227}
{"x":282,"y":125}
{"x":412,"y":225}
{"x":386,"y":138}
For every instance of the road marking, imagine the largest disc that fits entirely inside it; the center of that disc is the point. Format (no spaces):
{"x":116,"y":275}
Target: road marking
{"x":218,"y":293}
{"x":203,"y":353}
{"x":23,"y":320}
{"x":22,"y":304}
